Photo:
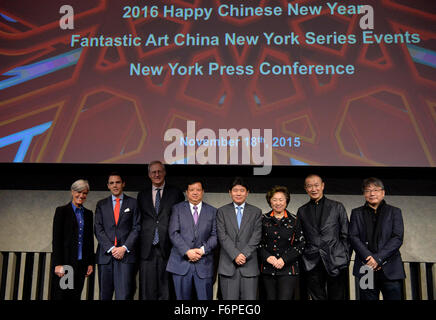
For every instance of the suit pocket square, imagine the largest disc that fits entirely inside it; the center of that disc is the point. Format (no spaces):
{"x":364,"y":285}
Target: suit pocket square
{"x":127,"y":210}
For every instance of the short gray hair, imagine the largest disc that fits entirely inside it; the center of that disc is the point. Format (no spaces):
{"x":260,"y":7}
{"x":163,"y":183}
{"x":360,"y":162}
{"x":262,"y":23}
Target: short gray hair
{"x":372,"y":181}
{"x":155,"y":162}
{"x":80,"y":185}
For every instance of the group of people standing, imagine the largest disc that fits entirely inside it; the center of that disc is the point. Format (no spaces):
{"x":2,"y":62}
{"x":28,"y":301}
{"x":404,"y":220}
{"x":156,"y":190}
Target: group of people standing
{"x":173,"y":242}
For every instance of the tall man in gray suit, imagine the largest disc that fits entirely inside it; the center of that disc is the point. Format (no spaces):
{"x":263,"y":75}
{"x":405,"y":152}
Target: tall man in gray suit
{"x":239,"y":228}
{"x":154,"y":204}
{"x":116,"y":229}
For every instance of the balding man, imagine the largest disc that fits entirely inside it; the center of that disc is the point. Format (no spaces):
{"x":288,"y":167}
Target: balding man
{"x":327,"y":252}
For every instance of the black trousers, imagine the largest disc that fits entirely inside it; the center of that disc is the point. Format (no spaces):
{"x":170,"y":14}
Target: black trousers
{"x":154,"y":281}
{"x":322,"y":286}
{"x":79,"y":272}
{"x":391,"y":289}
{"x":283,"y":287}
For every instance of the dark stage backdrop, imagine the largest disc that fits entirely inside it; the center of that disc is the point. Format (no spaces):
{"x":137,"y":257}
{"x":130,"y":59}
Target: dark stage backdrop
{"x":64,"y":100}
{"x":399,"y":181}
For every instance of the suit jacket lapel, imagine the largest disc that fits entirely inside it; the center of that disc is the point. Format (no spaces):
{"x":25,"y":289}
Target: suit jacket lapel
{"x":108,"y":209}
{"x":124,"y":206}
{"x":188,"y":215}
{"x":150,"y":202}
{"x":366,"y":224}
{"x":379,"y":228}
{"x":74,"y":219}
{"x":201,"y":217}
{"x":163,"y":199}
{"x":362,"y":226}
{"x":232,"y":217}
{"x":245,"y":218}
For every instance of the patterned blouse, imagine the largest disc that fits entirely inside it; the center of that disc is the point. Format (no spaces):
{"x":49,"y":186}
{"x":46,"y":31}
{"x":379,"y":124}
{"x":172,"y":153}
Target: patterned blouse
{"x":282,"y":238}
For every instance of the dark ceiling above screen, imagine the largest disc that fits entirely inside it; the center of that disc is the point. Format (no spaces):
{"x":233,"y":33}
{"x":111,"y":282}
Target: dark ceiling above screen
{"x":220,"y":86}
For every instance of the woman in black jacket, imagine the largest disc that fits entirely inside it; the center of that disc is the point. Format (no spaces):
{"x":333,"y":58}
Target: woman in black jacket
{"x":281,"y":246}
{"x":73,"y":245}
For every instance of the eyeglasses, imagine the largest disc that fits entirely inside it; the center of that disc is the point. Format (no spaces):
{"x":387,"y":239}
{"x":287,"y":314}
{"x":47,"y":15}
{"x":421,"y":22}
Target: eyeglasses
{"x":157,"y":172}
{"x":368,"y":191}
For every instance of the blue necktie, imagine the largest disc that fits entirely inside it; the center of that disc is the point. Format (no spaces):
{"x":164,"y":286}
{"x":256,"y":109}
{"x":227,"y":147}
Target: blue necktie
{"x":156,"y":206}
{"x":239,"y":216}
{"x":157,"y":201}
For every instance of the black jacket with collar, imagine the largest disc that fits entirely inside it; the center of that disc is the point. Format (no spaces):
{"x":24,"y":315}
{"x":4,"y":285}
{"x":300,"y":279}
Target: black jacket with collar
{"x":327,"y":241}
{"x":66,"y":234}
{"x":388,"y":244}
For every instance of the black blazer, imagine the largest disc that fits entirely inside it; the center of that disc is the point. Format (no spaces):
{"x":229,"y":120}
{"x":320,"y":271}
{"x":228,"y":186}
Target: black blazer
{"x":66,"y":234}
{"x":170,"y":196}
{"x":126,"y":231}
{"x":389,"y":241}
{"x":329,"y":241}
{"x":282,"y":239}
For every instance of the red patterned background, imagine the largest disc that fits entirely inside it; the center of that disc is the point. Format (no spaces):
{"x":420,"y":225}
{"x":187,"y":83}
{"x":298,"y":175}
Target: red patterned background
{"x":93,"y":111}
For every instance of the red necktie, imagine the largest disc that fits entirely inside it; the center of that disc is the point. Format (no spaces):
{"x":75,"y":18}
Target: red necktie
{"x":117,"y":215}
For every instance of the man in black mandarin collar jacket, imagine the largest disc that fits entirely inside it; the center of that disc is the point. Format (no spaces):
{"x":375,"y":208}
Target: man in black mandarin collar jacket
{"x":327,"y":252}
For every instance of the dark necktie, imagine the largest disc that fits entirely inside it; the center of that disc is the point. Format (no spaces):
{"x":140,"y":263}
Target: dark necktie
{"x":156,"y":206}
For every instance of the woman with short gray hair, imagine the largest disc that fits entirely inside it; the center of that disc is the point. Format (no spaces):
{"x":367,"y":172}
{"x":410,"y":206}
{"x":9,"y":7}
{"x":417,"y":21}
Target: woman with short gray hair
{"x":73,"y":245}
{"x":80,"y":185}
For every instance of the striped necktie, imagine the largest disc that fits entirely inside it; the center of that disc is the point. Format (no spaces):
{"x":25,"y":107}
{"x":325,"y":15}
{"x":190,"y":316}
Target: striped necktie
{"x":156,"y":207}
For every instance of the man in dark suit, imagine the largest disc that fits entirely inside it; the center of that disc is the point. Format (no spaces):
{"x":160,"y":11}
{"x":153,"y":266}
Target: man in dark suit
{"x":192,"y":231}
{"x":376,"y":234}
{"x":239,"y":227}
{"x":327,"y":252}
{"x":116,"y":229}
{"x":73,"y":245}
{"x":155,"y":203}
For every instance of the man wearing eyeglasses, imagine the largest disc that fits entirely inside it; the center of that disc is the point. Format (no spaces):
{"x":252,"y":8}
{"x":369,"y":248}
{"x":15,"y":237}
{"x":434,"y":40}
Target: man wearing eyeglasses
{"x":376,"y":234}
{"x":327,"y":252}
{"x":155,"y":203}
